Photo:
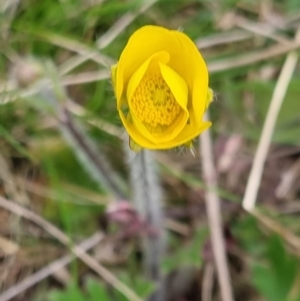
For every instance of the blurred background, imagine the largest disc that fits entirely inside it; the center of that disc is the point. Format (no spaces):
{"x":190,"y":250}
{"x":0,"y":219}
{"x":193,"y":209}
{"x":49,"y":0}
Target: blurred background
{"x":59,"y":126}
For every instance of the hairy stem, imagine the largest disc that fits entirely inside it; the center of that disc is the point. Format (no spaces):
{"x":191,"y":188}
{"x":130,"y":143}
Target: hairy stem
{"x":147,"y":196}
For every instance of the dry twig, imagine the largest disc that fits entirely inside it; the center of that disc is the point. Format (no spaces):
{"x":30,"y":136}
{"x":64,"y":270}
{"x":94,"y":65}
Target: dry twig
{"x":288,"y":180}
{"x":208,"y":281}
{"x":106,"y":38}
{"x":48,"y":270}
{"x":267,"y":132}
{"x":252,"y":58}
{"x":261,"y":29}
{"x":289,"y":237}
{"x":214,"y":216}
{"x":65,"y":240}
{"x":122,"y":23}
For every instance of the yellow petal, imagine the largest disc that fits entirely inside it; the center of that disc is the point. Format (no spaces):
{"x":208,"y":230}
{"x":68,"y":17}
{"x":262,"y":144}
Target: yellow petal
{"x":133,"y":133}
{"x":136,"y":78}
{"x":185,"y":60}
{"x":198,"y":103}
{"x":173,"y":130}
{"x":186,"y":63}
{"x":189,"y":133}
{"x":195,"y":115}
{"x":178,"y":88}
{"x":189,"y":64}
{"x":185,"y":136}
{"x":142,"y":44}
{"x":176,"y":84}
{"x":141,"y":128}
{"x":165,"y":136}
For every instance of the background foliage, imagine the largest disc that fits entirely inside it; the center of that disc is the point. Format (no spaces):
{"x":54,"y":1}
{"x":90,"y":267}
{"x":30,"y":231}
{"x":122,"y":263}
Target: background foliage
{"x":68,"y":43}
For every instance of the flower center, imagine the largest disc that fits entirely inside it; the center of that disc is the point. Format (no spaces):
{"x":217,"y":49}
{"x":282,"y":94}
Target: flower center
{"x":154,"y":103}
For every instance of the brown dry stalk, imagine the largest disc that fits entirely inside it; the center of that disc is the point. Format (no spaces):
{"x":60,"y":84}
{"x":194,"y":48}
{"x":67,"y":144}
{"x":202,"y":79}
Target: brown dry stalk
{"x":65,"y":240}
{"x":288,"y":236}
{"x":122,"y":23}
{"x":251,"y":58}
{"x":214,"y":216}
{"x":85,"y":77}
{"x":208,"y":281}
{"x":48,"y":270}
{"x":262,"y":29}
{"x":267,"y":131}
{"x":108,"y":37}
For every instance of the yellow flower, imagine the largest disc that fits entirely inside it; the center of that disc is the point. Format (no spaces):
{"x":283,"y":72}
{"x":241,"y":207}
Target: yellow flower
{"x":161,"y":87}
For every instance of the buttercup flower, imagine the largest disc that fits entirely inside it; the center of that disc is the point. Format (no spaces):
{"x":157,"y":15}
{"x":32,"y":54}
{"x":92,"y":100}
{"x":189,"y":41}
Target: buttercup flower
{"x":161,"y":87}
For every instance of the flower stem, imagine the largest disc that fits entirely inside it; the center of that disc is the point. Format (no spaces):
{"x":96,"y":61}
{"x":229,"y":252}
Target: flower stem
{"x":147,"y":196}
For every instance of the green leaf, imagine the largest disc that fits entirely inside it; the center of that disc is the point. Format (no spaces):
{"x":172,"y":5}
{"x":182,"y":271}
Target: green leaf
{"x":265,"y":282}
{"x":283,"y":265}
{"x":275,"y":280}
{"x":71,"y":293}
{"x":96,"y":290}
{"x":139,"y":284}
